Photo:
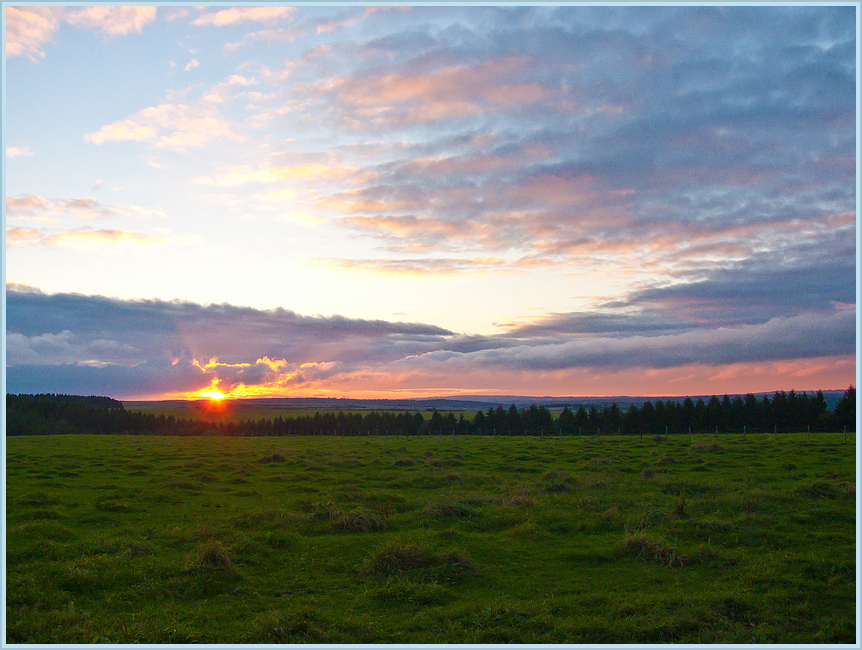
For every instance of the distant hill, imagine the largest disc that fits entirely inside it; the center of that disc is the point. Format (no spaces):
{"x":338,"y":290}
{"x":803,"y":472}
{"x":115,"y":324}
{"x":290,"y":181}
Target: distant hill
{"x":623,"y":401}
{"x":464,"y":402}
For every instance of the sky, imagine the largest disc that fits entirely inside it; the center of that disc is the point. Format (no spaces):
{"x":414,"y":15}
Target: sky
{"x":382,"y":201}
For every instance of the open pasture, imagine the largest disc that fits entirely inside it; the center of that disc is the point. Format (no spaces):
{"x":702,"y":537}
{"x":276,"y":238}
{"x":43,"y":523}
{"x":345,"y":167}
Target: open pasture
{"x":236,"y":411}
{"x":431,"y":539}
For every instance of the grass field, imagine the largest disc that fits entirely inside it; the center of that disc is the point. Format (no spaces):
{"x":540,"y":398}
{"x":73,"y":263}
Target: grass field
{"x":432,"y":539}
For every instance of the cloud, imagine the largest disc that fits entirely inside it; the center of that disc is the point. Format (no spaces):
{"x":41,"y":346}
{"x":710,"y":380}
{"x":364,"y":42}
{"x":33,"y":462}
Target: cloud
{"x":233,"y":334}
{"x":17,"y":152}
{"x":25,"y":204}
{"x":168,"y":126}
{"x":235,"y":175}
{"x":21,"y":209}
{"x":19,"y":236}
{"x":798,"y":337}
{"x":137,"y":343}
{"x":113,"y":21}
{"x":28,"y":29}
{"x":420,"y":267}
{"x":449,"y":91}
{"x":191,"y":65}
{"x":86,"y":238}
{"x":236,"y":15}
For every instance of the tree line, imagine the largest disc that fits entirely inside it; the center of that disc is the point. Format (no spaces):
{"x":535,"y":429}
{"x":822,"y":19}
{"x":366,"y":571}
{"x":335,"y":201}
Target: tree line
{"x":783,"y":412}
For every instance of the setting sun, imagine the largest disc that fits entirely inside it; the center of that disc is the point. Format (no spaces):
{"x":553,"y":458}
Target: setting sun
{"x":212,"y":394}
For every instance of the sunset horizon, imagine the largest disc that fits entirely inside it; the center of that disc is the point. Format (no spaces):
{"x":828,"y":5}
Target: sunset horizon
{"x":215,"y":202}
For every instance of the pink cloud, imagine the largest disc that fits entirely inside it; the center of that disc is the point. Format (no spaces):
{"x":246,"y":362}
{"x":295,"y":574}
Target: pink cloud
{"x":447,"y":92}
{"x":426,"y":266}
{"x":114,"y":21}
{"x":17,"y":152}
{"x":27,"y":204}
{"x":28,"y":29}
{"x":168,"y":126}
{"x":236,"y":15}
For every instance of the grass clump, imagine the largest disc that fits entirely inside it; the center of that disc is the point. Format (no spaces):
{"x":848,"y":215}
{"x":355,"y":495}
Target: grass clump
{"x":273,"y":458}
{"x":451,"y":510}
{"x":557,"y":480}
{"x":213,"y":554}
{"x":38,"y":499}
{"x":820,"y":490}
{"x":648,"y":547}
{"x":520,"y":496}
{"x":711,"y":447}
{"x":418,"y":562}
{"x":359,"y":521}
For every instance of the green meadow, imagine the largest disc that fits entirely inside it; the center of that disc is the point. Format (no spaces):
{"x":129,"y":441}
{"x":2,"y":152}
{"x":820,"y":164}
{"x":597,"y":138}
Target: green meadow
{"x":431,"y":539}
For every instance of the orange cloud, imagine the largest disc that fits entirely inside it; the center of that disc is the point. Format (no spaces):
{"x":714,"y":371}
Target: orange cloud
{"x":319,"y":380}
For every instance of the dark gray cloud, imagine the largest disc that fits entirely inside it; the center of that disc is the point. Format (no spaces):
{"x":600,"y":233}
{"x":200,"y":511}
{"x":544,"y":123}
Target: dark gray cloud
{"x":798,"y":337}
{"x":92,"y":344}
{"x":95,"y":330}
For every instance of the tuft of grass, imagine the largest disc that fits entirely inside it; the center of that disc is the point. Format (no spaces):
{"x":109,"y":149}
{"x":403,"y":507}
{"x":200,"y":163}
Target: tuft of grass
{"x":647,"y":472}
{"x":648,"y":547}
{"x":273,"y":458}
{"x":678,"y":510}
{"x":213,"y":554}
{"x":446,"y":510}
{"x":820,"y":490}
{"x":848,"y":488}
{"x":322,"y":510}
{"x":359,"y":521}
{"x":37,"y":499}
{"x":711,"y":447}
{"x":520,"y":497}
{"x":420,"y":562}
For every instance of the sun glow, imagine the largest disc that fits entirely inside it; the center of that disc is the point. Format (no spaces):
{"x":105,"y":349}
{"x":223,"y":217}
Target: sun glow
{"x":212,"y":391}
